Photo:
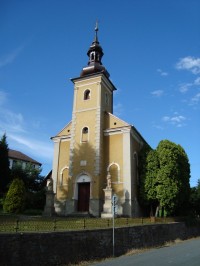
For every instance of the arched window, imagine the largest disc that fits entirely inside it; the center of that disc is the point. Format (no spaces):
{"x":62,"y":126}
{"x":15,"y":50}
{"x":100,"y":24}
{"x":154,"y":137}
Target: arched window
{"x":84,"y":137}
{"x":87,"y":95}
{"x":64,"y":176}
{"x":92,"y":56}
{"x":114,"y":171}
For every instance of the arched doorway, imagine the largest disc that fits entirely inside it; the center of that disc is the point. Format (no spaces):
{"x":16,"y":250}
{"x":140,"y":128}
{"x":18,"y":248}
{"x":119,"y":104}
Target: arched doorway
{"x":83,"y":189}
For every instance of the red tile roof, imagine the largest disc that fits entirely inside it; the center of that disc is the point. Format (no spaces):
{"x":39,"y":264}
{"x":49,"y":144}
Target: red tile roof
{"x":21,"y":156}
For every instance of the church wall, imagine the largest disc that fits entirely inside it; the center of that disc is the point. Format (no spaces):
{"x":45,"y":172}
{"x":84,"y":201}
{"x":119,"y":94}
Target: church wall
{"x":93,"y":143}
{"x":106,"y":99}
{"x":84,"y":85}
{"x":84,"y":152}
{"x":63,"y":182}
{"x":113,"y":154}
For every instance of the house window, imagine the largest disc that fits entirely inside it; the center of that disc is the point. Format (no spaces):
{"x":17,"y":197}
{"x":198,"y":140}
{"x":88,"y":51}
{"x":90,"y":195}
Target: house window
{"x":84,"y":137}
{"x":87,"y":95}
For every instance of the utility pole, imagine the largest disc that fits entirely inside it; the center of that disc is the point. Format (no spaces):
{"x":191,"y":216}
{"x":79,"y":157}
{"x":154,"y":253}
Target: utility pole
{"x":114,"y":212}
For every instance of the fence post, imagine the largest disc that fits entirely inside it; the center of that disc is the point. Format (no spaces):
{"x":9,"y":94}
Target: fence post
{"x":54,"y":225}
{"x":84,"y":223}
{"x":108,"y":223}
{"x":17,"y":226}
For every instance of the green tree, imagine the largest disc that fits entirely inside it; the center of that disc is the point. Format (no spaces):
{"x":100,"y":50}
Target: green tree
{"x":142,"y":171}
{"x":151,"y":179}
{"x":173,"y":176}
{"x":34,"y":185}
{"x":195,"y":200}
{"x":165,"y":174}
{"x":4,"y":165}
{"x":15,"y":197}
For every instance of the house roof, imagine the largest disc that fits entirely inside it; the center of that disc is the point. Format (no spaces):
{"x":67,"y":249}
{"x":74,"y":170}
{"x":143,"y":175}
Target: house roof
{"x":13,"y":154}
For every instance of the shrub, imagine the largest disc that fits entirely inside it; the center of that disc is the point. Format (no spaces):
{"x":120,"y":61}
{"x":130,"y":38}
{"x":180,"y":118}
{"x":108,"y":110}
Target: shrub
{"x":15,"y":198}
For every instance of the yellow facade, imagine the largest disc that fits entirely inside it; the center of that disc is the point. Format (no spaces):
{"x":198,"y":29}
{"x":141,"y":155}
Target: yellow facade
{"x":92,"y":146}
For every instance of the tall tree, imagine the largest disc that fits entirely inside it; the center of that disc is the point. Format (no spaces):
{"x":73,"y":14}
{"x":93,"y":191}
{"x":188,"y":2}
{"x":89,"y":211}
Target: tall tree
{"x":151,"y":179}
{"x":165,"y":174}
{"x":4,"y":165}
{"x":195,"y":199}
{"x":34,"y":185}
{"x":173,"y":176}
{"x":142,"y":170}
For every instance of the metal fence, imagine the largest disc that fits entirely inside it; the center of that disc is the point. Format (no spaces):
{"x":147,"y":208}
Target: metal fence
{"x":41,"y":224}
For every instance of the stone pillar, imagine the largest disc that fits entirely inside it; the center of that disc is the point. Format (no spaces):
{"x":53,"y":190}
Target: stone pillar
{"x":49,"y":209}
{"x":107,"y":207}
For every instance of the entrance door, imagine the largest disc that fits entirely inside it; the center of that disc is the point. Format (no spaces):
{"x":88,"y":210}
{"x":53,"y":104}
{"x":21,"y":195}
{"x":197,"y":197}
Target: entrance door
{"x":83,"y":196}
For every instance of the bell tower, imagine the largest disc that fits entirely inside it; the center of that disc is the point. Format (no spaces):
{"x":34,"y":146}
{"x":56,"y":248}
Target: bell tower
{"x":93,"y":98}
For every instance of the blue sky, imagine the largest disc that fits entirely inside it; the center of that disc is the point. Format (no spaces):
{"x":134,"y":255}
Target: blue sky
{"x":151,"y":50}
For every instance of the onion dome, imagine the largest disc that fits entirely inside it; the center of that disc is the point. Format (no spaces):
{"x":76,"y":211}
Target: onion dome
{"x":95,"y":54}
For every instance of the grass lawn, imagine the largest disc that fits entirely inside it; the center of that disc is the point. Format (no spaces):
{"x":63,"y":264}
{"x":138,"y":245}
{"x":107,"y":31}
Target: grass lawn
{"x":25,"y":223}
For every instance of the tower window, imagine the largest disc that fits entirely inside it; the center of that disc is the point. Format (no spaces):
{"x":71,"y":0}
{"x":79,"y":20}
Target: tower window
{"x":87,"y":95}
{"x":84,"y":137}
{"x":92,"y":56}
{"x":85,"y":130}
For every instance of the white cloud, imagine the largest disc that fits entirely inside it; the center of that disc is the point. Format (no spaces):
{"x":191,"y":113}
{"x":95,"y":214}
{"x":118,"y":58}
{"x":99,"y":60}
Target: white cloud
{"x":162,"y":73}
{"x":9,"y":58}
{"x":158,"y":127}
{"x":157,"y":93}
{"x":197,"y":81}
{"x":21,"y":134}
{"x":176,"y":120}
{"x":195,"y":100}
{"x":10,"y":121}
{"x":185,"y":87}
{"x":189,"y":63}
{"x":39,"y":148}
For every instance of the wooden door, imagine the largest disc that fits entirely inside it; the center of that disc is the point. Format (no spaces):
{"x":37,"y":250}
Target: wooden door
{"x":83,"y":196}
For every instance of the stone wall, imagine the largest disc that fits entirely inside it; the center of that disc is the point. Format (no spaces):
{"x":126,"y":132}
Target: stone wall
{"x":62,"y":248}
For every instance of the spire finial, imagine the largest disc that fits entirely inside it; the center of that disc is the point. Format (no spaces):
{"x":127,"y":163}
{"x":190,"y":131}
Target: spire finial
{"x":96,"y":30}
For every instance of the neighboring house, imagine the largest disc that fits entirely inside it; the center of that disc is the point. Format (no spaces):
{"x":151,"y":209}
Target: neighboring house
{"x":96,"y":150}
{"x":16,"y":157}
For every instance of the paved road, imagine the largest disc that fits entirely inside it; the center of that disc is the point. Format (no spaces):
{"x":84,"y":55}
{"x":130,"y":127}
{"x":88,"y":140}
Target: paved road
{"x":182,"y":254}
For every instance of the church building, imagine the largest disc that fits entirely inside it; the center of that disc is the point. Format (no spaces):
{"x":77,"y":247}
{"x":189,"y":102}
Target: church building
{"x":96,"y":153}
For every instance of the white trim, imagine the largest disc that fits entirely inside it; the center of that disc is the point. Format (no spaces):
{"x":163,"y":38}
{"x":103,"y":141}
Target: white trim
{"x":82,"y":178}
{"x":61,"y":138}
{"x":118,"y":171}
{"x":118,"y":130}
{"x":106,"y":81}
{"x":61,"y":175}
{"x":84,"y":110}
{"x":55,"y":164}
{"x":86,"y":84}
